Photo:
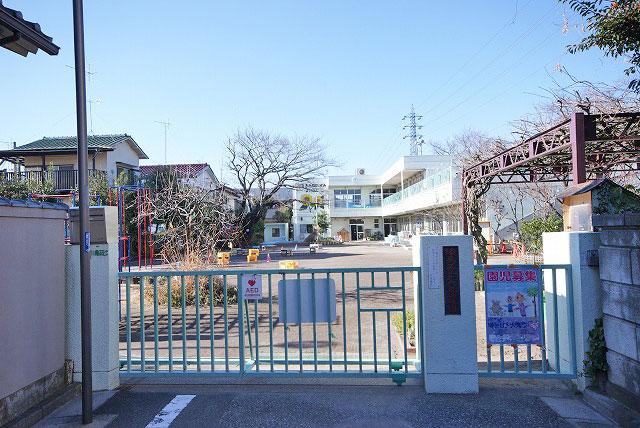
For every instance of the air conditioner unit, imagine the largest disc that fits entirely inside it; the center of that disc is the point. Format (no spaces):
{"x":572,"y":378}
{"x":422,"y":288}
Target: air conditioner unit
{"x":360,"y":171}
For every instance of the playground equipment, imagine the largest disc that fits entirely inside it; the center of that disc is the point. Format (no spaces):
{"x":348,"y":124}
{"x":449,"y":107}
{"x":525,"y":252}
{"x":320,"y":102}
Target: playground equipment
{"x":289,"y":264}
{"x":252,"y":255}
{"x":144,"y":222}
{"x":223,"y":258}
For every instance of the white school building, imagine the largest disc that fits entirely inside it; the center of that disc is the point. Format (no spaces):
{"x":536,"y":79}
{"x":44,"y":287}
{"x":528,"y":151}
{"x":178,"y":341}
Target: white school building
{"x":416,"y":195}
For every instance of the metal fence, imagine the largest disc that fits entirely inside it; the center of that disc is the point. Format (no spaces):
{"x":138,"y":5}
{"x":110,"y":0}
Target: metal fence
{"x":555,"y":357}
{"x":354,"y":322}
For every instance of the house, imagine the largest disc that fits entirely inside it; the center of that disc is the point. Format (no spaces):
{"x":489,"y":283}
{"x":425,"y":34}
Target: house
{"x":196,"y":174}
{"x":56,"y":158}
{"x":417,"y":194}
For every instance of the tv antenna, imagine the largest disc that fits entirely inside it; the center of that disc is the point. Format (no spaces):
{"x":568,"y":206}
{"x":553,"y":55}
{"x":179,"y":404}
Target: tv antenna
{"x":166,"y":126}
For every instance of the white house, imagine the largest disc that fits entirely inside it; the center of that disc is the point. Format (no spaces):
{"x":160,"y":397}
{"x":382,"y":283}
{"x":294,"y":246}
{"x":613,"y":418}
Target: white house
{"x":196,"y":174}
{"x":417,"y":194}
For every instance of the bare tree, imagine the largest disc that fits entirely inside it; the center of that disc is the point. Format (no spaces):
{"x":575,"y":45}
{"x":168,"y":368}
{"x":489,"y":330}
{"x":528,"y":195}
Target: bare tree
{"x":192,"y":222}
{"x":263,"y":164}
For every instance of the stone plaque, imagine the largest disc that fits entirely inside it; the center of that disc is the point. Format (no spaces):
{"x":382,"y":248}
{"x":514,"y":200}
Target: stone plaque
{"x":451,"y":280}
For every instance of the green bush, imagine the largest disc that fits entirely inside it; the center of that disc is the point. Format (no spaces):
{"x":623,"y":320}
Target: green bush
{"x":190,"y":292}
{"x":478,"y":279}
{"x":21,"y":189}
{"x":397,"y":322}
{"x":596,"y":361}
{"x":531,"y":231}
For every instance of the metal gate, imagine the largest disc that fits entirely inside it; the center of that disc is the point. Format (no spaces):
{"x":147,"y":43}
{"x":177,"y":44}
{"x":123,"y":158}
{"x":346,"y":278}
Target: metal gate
{"x":353,"y":322}
{"x":555,"y":356}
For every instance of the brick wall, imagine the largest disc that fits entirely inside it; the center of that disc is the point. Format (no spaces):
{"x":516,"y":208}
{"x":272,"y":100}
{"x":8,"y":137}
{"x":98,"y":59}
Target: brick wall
{"x":620,"y":278}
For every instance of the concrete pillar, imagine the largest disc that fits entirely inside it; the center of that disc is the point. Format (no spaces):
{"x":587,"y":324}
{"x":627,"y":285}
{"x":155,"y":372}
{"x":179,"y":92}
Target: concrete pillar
{"x":104,"y":300}
{"x":445,"y":306}
{"x":577,"y":249}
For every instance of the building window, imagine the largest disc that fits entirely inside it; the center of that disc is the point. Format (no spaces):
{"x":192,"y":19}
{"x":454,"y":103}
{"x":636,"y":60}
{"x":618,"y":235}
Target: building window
{"x":347,"y":198}
{"x":376,"y":223}
{"x":275,"y":232}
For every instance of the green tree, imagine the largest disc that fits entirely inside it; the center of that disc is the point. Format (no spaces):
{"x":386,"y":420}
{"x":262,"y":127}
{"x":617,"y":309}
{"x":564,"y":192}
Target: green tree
{"x":531,"y":231}
{"x":613,"y":27}
{"x":322,"y":221}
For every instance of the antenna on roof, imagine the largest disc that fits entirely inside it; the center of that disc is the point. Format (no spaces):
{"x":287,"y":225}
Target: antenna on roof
{"x":166,"y":125}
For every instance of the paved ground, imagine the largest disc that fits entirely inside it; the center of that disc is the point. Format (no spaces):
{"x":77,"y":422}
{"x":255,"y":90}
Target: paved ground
{"x":500,"y":404}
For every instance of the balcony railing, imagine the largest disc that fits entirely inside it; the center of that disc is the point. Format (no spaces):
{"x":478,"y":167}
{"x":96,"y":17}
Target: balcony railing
{"x":426,"y":184}
{"x":63,"y":179}
{"x":372,"y":203}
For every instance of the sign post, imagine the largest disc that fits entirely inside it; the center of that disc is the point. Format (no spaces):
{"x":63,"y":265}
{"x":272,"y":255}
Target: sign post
{"x":513,"y":296}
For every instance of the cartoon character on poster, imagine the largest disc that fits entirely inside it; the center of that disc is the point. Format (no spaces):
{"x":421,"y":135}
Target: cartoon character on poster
{"x":512,"y":299}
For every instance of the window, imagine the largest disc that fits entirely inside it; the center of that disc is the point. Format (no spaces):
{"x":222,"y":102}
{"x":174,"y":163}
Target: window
{"x":275,"y":232}
{"x":376,"y":223}
{"x":347,"y":198}
{"x":309,"y":228}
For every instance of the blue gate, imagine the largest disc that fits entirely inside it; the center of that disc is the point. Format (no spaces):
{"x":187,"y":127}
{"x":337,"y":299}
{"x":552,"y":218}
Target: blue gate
{"x":355,"y":322}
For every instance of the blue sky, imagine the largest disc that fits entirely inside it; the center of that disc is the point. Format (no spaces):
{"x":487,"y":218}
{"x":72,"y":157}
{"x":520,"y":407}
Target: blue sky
{"x":345,"y":71}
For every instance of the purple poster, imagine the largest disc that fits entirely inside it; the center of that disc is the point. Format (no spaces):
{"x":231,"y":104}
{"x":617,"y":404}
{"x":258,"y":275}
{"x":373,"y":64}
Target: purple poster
{"x":512,"y":299}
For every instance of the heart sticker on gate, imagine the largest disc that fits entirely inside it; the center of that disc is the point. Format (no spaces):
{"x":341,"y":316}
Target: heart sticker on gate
{"x":252,"y":282}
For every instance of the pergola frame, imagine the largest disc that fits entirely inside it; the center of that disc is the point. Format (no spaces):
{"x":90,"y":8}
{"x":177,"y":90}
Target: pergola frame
{"x":582,"y":148}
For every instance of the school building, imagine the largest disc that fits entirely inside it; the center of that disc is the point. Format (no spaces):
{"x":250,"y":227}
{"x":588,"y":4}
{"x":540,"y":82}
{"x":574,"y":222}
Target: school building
{"x":416,"y":195}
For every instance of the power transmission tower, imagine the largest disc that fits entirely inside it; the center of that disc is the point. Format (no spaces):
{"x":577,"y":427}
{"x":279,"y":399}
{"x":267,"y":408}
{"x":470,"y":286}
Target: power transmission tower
{"x":166,"y":126}
{"x":415,"y":139}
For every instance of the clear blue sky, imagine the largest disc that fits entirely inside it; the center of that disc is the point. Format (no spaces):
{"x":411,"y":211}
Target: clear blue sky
{"x":346,"y":71}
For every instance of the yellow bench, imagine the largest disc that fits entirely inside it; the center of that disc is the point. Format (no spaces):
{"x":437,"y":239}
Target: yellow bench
{"x":223,"y":258}
{"x":289,"y":264}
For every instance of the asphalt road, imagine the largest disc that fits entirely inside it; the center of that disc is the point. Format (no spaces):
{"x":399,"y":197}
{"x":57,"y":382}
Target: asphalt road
{"x":334,"y":406}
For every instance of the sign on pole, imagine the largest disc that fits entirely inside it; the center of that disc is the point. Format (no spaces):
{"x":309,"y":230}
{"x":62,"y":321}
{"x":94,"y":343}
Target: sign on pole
{"x":513,"y":304}
{"x":252,"y":287}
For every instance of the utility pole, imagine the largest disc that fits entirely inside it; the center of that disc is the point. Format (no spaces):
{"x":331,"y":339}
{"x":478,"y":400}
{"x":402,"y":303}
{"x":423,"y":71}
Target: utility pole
{"x":85,"y":236}
{"x":415,"y":139}
{"x":166,"y":126}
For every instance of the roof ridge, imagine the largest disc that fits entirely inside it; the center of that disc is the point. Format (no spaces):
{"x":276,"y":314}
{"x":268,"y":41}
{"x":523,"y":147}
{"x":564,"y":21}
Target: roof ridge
{"x":61,"y":137}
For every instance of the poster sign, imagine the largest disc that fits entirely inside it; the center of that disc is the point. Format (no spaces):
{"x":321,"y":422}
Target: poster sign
{"x":512,"y":300}
{"x":252,"y":287}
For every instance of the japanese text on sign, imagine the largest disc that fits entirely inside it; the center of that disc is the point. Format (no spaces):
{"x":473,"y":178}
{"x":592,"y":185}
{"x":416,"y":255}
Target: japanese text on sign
{"x":252,"y":287}
{"x":512,"y":298}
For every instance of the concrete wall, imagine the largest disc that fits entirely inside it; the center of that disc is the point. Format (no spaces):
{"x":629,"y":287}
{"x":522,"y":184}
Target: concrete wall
{"x":620,"y":276}
{"x":32,"y":321}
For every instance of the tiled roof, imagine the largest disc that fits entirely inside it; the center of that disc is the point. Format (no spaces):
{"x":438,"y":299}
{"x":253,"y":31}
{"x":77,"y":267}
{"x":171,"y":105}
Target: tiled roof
{"x":23,"y":36}
{"x":32,"y":204}
{"x":182,"y":169}
{"x":94,"y":142}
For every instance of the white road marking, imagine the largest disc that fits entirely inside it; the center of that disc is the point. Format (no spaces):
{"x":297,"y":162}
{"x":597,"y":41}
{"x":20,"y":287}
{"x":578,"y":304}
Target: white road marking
{"x":164,"y":418}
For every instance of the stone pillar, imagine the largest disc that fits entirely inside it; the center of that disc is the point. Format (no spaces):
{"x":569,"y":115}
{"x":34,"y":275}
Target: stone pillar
{"x":577,"y":249}
{"x":446,"y":309}
{"x":104,"y":299}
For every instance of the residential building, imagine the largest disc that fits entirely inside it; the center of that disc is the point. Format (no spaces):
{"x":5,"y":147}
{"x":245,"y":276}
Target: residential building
{"x":56,"y":158}
{"x":196,"y":174}
{"x":417,"y":194}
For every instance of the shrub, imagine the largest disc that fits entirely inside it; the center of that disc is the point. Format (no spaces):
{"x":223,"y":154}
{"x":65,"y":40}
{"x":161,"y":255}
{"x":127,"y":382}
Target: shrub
{"x":396,"y":320}
{"x":190,"y":291}
{"x":532,"y":230}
